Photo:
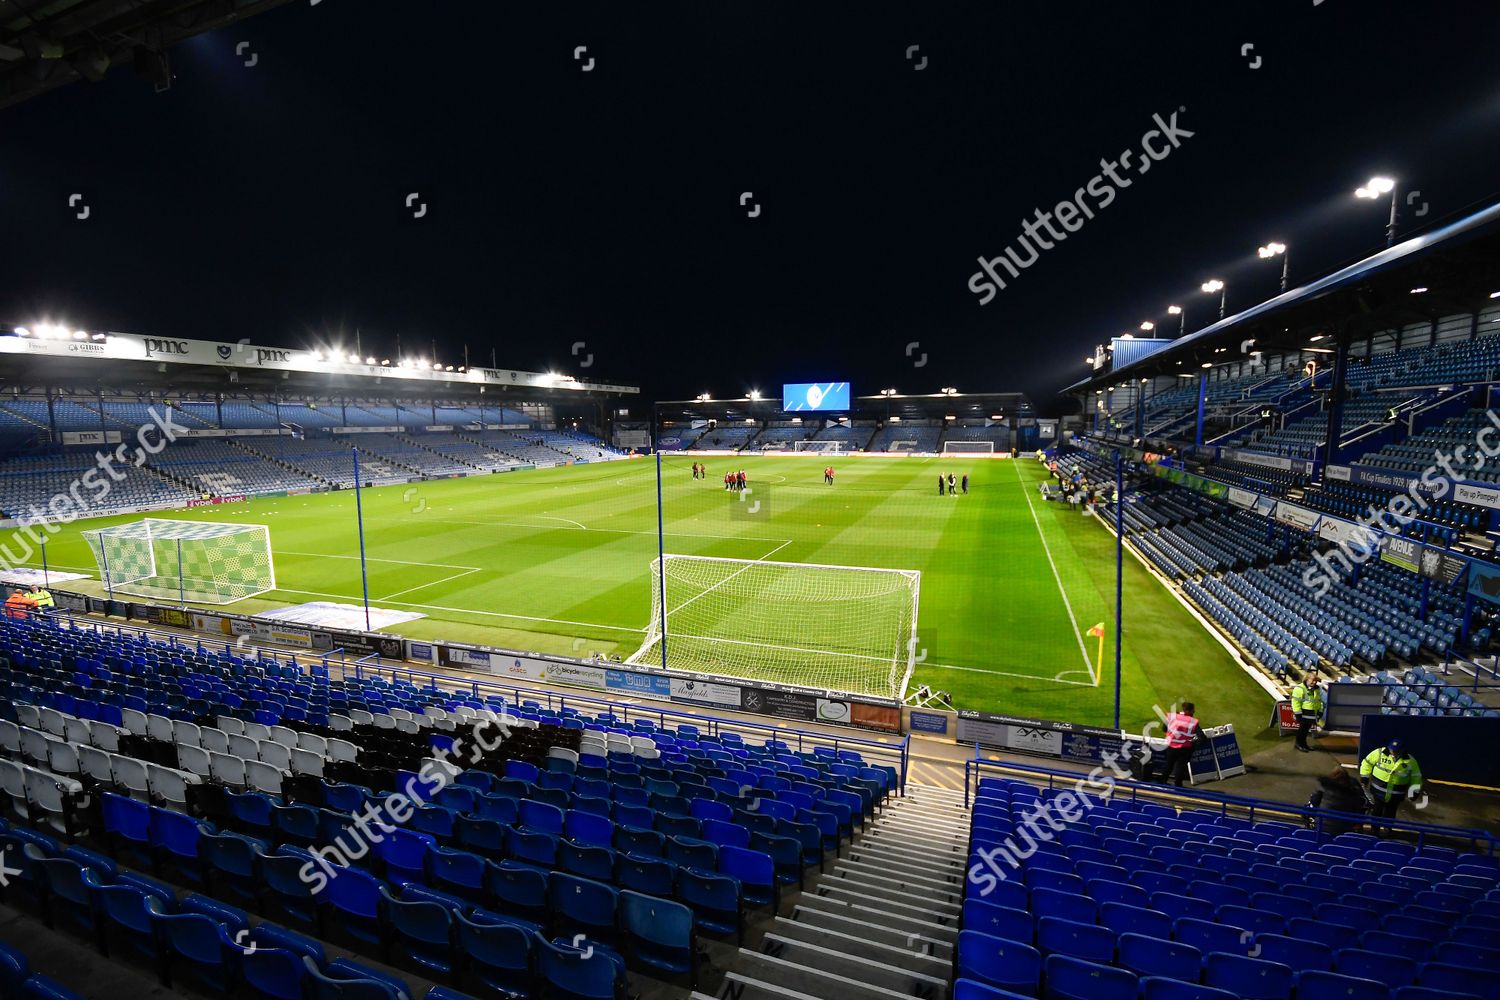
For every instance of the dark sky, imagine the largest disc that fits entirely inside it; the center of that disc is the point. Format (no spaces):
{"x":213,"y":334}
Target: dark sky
{"x":268,"y":201}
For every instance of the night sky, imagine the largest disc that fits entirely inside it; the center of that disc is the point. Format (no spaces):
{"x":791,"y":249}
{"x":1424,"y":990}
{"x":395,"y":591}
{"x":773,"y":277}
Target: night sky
{"x":603,"y":206}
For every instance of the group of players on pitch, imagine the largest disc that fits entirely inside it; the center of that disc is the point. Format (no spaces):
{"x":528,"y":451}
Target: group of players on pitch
{"x":736,"y":481}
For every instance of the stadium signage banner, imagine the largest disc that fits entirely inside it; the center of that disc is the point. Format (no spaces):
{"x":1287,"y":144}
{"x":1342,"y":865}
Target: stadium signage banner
{"x":650,"y":685}
{"x":1403,"y":552}
{"x":1346,"y":533}
{"x":365,"y":430}
{"x":1338,"y":472}
{"x":1269,"y":461}
{"x":1297,"y":517}
{"x":91,"y":437}
{"x":162,"y":350}
{"x":1241,"y":498}
{"x":1482,"y":496}
{"x":1439,"y":565}
{"x":1484,"y":582}
{"x":1363,"y":475}
{"x":229,"y":432}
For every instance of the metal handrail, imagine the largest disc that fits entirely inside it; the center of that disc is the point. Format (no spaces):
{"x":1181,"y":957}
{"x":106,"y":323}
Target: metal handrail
{"x":1224,"y":803}
{"x":556,"y":701}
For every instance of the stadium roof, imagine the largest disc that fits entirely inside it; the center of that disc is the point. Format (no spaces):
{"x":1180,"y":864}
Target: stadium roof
{"x":45,"y":44}
{"x":907,"y":406}
{"x":1454,"y":268}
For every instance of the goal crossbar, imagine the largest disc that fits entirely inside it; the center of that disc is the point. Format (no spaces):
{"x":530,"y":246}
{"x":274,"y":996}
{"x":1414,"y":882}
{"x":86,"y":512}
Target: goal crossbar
{"x":205,"y":562}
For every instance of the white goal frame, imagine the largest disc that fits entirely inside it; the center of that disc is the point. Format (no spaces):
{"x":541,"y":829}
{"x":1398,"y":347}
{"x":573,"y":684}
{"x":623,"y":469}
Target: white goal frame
{"x":968,"y":447}
{"x":815,"y":445}
{"x":728,"y":643}
{"x":128,"y":559}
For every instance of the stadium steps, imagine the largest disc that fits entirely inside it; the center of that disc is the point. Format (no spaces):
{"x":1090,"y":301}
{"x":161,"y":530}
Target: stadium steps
{"x":881,"y":920}
{"x":408,"y":439}
{"x":289,"y":466}
{"x":23,"y":418}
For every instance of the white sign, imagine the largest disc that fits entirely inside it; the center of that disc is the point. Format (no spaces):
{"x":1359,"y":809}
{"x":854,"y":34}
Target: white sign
{"x":1482,"y":496}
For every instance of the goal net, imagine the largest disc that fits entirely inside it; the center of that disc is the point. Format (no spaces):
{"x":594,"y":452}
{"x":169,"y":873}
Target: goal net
{"x":842,"y":628}
{"x":968,"y":447}
{"x":199,"y":561}
{"x":818,"y":445}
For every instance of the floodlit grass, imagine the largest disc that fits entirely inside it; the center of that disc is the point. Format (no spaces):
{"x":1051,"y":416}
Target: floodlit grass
{"x":558,"y":561}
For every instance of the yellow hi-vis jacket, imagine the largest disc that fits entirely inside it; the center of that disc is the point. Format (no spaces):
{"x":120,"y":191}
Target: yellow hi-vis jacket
{"x":1390,"y":774}
{"x":1307,"y":700}
{"x":44,"y":599}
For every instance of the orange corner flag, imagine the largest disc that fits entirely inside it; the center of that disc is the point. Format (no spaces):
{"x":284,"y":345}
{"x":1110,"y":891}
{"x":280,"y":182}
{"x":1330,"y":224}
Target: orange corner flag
{"x":1097,"y":630}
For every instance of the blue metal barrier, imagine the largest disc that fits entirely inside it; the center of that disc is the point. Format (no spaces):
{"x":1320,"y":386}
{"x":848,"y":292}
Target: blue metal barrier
{"x":1226,"y":805}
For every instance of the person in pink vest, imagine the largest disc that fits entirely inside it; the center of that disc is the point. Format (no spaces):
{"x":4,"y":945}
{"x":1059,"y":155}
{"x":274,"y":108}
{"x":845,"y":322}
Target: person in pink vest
{"x":1183,"y":730}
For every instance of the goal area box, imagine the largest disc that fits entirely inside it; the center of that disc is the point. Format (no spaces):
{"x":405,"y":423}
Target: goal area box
{"x":839,"y":628}
{"x":204,"y":562}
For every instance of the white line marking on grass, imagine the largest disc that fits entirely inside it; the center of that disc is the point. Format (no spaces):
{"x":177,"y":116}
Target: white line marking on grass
{"x":424,"y":586}
{"x":1055,"y":575}
{"x":554,"y":517}
{"x":617,"y":531}
{"x":398,"y":562}
{"x":731,"y":576}
{"x":462,"y":611}
{"x":1006,"y":673}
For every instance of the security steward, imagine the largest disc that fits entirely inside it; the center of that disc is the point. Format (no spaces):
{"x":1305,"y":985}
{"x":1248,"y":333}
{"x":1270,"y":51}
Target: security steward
{"x":1389,"y":775}
{"x":1307,"y":706}
{"x":42,"y":598}
{"x":1183,"y":730}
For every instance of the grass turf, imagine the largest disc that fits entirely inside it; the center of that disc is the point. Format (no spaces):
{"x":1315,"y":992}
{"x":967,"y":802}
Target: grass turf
{"x":558,"y":561}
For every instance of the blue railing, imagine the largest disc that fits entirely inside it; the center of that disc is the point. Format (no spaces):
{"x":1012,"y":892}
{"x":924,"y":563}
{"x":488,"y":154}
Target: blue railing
{"x":1240,"y":806}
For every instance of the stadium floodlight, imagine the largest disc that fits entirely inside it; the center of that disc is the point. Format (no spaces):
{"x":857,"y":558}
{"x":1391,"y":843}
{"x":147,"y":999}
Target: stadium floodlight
{"x":1148,"y":326}
{"x":1215,"y":285}
{"x":80,"y":335}
{"x":888,"y":392}
{"x":1273,"y":250}
{"x":21,"y":331}
{"x":842,"y":628}
{"x":386,"y":362}
{"x":703,"y":397}
{"x":1374,"y":188}
{"x":369,"y":361}
{"x":1419,"y":290}
{"x":354,"y":359}
{"x":754,"y":394}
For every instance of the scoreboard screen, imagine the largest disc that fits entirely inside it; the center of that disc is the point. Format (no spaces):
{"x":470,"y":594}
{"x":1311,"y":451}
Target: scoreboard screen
{"x":828,"y":396}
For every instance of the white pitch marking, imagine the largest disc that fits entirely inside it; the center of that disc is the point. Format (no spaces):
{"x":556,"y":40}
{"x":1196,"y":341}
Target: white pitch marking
{"x":424,"y":586}
{"x":399,"y":562}
{"x":464,"y":611}
{"x":1006,"y":673}
{"x":554,"y":517}
{"x":1055,"y":575}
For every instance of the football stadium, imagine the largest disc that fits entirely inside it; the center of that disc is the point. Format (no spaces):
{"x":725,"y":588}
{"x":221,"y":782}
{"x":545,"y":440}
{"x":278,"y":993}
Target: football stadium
{"x":507,"y":562}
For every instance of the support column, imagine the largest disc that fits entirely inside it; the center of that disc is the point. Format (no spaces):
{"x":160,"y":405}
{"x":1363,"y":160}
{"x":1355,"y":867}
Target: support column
{"x":1336,"y":399}
{"x":1140,"y":412}
{"x":1202,"y":402}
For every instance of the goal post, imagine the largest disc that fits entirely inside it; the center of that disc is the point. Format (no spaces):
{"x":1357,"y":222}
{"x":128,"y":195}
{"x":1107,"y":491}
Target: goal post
{"x":204,"y":562}
{"x":820,"y":446}
{"x":841,"y":628}
{"x":968,"y":447}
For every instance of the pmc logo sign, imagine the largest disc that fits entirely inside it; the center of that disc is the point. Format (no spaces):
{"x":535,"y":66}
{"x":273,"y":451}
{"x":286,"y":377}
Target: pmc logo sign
{"x":268,"y":355}
{"x":156,"y":346}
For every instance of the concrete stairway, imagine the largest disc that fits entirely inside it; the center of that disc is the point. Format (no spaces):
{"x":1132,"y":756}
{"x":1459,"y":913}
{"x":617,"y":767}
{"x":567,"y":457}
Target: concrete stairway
{"x":881,"y":920}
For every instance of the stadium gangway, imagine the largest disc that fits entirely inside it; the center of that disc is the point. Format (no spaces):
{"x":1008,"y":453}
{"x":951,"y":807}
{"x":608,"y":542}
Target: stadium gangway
{"x":1229,"y":806}
{"x":1474,"y":667}
{"x":897,"y":754}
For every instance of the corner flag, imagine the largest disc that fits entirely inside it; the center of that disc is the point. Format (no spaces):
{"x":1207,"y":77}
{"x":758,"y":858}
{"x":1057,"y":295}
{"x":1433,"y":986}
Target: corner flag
{"x":1098,"y":631}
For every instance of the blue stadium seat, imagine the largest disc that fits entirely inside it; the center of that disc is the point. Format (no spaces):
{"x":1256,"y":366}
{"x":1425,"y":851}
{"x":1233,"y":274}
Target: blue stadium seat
{"x":1251,"y":978}
{"x":1078,"y":940}
{"x":659,"y":934}
{"x":1122,"y":918}
{"x":497,"y":955}
{"x":997,"y":962}
{"x":421,"y":932}
{"x":998,"y":921}
{"x":574,"y":974}
{"x":1383,"y":967}
{"x":1155,"y":988}
{"x":39,"y":987}
{"x":714,"y":900}
{"x":1331,"y":986}
{"x":969,"y":989}
{"x":1075,"y":979}
{"x":582,"y":906}
{"x":1149,"y":956}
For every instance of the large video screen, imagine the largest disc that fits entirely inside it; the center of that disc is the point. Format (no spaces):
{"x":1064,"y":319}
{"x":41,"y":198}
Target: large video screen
{"x":815,"y":396}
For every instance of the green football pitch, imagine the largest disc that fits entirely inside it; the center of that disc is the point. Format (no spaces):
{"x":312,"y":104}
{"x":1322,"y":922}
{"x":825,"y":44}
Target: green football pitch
{"x":559,"y":560}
